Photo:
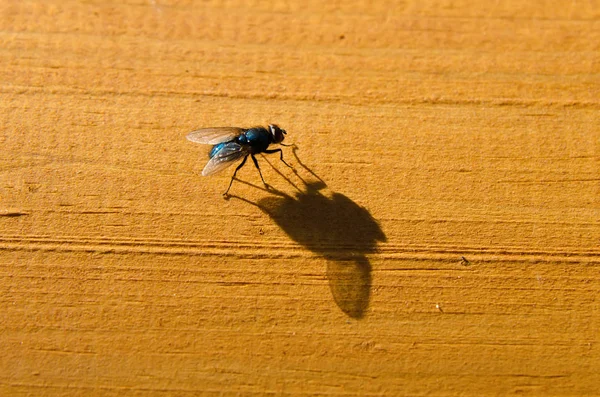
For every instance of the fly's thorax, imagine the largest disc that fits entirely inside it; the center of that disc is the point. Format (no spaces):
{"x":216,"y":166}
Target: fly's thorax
{"x":258,"y":139}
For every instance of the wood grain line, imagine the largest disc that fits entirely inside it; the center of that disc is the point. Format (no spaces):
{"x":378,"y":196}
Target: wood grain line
{"x":289,"y":250}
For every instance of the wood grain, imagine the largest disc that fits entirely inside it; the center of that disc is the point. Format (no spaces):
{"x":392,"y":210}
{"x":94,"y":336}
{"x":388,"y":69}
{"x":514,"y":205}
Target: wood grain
{"x":439,"y":234}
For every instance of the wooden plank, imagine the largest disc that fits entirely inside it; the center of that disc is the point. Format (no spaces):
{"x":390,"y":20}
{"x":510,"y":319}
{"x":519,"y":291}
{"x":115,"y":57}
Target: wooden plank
{"x":439,"y":234}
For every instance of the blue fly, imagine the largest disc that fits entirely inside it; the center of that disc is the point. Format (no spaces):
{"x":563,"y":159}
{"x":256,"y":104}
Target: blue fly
{"x":233,"y":143}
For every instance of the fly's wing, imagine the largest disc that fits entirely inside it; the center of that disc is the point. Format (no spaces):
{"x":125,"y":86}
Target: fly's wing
{"x":212,"y":136}
{"x":225,"y":157}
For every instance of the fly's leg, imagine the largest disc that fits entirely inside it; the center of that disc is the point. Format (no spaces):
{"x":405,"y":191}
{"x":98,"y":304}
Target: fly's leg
{"x":235,"y":172}
{"x":258,"y":168}
{"x":280,"y":155}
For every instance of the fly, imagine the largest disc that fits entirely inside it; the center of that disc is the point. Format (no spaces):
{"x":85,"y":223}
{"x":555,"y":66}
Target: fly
{"x":232,"y":143}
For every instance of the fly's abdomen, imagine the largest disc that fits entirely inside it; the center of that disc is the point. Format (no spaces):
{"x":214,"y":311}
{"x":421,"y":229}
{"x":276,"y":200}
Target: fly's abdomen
{"x":216,"y":149}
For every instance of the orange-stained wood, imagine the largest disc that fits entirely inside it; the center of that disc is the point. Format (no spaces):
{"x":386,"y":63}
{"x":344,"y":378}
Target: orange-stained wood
{"x":438,"y":235}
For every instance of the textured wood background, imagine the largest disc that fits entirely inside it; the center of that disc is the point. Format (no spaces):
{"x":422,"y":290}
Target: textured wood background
{"x":439,"y":236}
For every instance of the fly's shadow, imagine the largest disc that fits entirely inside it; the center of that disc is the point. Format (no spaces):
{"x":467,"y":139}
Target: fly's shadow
{"x":335,"y":228}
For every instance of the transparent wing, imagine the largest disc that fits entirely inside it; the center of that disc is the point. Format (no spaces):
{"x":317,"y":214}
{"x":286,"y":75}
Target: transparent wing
{"x":225,"y":157}
{"x":212,"y":136}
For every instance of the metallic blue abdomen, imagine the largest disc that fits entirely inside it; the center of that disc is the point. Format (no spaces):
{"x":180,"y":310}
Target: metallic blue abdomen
{"x":215,"y":149}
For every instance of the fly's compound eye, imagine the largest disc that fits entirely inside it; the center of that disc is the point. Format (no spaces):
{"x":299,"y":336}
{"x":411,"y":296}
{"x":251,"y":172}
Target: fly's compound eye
{"x":278,"y":133}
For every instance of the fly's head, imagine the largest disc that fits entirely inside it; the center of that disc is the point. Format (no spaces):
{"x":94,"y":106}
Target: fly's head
{"x":278,"y":133}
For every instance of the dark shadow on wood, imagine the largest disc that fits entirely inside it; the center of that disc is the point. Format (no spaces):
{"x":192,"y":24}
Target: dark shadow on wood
{"x":335,"y":228}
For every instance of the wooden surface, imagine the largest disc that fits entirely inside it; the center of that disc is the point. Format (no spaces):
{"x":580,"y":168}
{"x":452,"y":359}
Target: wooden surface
{"x":439,"y":236}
